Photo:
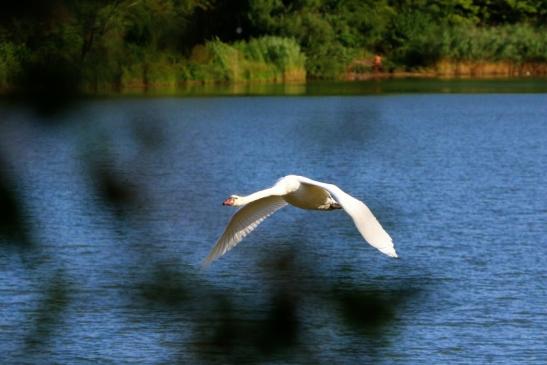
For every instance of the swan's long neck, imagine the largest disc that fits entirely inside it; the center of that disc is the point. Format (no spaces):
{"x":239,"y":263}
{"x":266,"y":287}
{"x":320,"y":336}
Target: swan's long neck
{"x":258,"y":195}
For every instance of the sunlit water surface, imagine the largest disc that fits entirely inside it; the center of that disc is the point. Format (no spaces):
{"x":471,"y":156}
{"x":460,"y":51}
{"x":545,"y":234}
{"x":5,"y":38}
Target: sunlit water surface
{"x":114,"y":192}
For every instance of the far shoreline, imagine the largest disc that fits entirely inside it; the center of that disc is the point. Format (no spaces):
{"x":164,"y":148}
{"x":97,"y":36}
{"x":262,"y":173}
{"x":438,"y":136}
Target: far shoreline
{"x":457,"y":70}
{"x":394,"y":81}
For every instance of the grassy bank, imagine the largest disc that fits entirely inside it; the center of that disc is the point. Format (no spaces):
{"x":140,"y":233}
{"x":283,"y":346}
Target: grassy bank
{"x":270,"y":59}
{"x":362,"y":70}
{"x":479,"y":68}
{"x":264,"y":59}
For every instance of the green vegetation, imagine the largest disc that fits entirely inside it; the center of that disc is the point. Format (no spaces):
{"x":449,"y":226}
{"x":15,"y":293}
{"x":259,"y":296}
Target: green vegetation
{"x":513,"y":42}
{"x":10,"y":66}
{"x":260,"y":59}
{"x":419,"y":42}
{"x":101,"y":45}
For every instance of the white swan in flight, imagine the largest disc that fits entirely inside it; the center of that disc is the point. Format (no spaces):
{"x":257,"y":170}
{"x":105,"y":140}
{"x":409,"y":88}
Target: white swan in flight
{"x":302,"y":193}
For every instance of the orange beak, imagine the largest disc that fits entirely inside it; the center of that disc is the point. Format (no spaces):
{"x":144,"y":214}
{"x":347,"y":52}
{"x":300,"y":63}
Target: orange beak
{"x":229,"y":202}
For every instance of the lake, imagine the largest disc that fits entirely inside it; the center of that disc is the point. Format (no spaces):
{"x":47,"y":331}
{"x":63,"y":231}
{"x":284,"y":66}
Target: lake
{"x":110,"y":205}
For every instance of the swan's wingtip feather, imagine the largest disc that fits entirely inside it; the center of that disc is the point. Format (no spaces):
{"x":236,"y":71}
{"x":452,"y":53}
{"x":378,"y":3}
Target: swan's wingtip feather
{"x":206,"y":262}
{"x":391,"y":252}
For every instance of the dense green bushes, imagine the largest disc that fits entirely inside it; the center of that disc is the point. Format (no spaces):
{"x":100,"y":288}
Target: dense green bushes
{"x":331,"y":33}
{"x":423,"y":44}
{"x":514,"y":43}
{"x":411,"y":35}
{"x":416,"y":40}
{"x":413,"y":39}
{"x":10,"y":64}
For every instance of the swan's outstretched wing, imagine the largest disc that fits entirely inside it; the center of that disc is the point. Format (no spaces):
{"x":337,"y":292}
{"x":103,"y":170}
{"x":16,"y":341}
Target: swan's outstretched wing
{"x":243,"y":222}
{"x":366,"y":222}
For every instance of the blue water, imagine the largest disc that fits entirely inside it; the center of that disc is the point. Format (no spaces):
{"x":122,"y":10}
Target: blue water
{"x":120,"y":199}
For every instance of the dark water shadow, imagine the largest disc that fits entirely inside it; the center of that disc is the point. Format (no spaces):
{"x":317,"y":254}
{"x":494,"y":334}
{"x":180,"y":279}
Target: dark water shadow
{"x":14,"y":226}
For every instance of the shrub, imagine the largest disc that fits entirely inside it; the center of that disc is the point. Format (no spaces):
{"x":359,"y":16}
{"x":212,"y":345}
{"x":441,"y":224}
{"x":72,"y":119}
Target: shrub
{"x":260,"y":59}
{"x":413,"y":39}
{"x":515,"y":43}
{"x":10,"y":63}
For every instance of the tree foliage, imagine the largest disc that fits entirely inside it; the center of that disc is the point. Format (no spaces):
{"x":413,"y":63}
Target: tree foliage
{"x":112,"y":42}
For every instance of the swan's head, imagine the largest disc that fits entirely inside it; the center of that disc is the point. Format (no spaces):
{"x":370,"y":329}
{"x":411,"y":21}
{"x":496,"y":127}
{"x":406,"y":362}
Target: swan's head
{"x":233,"y":200}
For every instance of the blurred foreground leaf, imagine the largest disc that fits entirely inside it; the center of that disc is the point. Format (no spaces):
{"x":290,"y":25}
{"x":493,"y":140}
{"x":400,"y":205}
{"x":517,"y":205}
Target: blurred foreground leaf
{"x":13,"y":226}
{"x":50,"y":312}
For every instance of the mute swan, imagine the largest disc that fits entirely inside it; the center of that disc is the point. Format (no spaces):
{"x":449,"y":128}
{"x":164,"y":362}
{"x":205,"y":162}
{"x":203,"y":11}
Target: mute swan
{"x":302,"y":193}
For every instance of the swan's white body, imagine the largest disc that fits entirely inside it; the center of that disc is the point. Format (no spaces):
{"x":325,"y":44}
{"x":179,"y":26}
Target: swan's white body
{"x":302,"y":193}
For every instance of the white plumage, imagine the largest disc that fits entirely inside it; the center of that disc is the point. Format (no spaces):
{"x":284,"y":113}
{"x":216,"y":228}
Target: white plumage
{"x":302,"y":193}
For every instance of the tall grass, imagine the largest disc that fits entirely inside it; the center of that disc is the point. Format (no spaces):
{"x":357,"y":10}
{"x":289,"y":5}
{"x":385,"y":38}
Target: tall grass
{"x":514,"y":43}
{"x":415,"y":40}
{"x":260,"y":59}
{"x":154,"y":70}
{"x":223,"y":63}
{"x":283,"y":54}
{"x":138,"y":69}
